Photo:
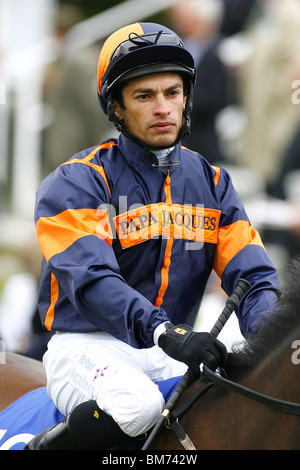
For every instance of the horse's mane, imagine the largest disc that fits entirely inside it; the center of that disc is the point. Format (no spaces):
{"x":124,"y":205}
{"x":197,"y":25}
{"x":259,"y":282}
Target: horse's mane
{"x":274,"y":330}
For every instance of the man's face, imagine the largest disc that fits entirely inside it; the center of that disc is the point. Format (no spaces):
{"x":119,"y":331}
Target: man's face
{"x":153,"y":108}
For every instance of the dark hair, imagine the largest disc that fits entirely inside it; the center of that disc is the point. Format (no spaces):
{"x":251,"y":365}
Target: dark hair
{"x":117,"y":94}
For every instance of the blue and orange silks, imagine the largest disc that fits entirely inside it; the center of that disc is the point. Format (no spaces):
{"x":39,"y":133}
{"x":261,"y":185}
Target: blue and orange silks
{"x":127,"y":247}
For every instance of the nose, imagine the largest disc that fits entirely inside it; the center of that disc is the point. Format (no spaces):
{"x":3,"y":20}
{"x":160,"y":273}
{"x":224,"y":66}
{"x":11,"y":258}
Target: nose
{"x":161,"y":107}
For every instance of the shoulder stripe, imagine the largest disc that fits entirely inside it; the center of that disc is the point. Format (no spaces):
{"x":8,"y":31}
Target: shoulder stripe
{"x":217,"y":174}
{"x":56,"y":234}
{"x":232,"y":239}
{"x":87,"y":161}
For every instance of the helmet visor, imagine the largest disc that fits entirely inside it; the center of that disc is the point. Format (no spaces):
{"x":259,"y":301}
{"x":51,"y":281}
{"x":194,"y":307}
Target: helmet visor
{"x":136,"y":41}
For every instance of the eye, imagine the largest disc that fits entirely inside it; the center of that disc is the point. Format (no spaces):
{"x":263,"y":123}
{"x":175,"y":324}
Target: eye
{"x":143,"y":97}
{"x":174,"y":92}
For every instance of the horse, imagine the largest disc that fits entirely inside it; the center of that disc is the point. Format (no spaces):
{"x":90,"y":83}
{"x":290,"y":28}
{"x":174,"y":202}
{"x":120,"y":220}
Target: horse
{"x":19,"y":375}
{"x":222,"y":419}
{"x":268,"y":363}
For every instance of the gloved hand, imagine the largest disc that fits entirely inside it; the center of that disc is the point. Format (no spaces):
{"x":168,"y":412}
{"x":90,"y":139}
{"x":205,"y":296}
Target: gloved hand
{"x":183,"y":344}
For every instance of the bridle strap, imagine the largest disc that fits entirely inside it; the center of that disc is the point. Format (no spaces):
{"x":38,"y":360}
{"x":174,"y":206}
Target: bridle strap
{"x":216,"y":378}
{"x":186,"y":405}
{"x":280,"y":405}
{"x":173,"y":420}
{"x":182,"y":436}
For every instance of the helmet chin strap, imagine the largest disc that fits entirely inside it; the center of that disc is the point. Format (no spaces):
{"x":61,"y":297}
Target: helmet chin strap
{"x":184,"y":131}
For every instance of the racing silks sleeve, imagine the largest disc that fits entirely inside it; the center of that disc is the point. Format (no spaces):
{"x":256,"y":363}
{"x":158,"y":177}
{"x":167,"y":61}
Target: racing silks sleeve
{"x":87,"y":291}
{"x":240,"y":253}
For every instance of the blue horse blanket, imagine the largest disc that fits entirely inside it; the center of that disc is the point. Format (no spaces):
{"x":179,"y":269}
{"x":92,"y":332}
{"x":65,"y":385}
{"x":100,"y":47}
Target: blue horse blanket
{"x":35,"y":412}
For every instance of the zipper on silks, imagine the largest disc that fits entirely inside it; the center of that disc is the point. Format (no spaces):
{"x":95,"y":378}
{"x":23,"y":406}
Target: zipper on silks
{"x":167,"y":259}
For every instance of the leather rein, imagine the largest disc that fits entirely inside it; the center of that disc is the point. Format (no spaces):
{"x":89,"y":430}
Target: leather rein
{"x":216,"y":378}
{"x":170,"y":419}
{"x":276,"y":403}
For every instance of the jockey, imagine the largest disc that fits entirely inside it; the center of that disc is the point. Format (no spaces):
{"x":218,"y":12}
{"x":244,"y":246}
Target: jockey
{"x":130,"y":231}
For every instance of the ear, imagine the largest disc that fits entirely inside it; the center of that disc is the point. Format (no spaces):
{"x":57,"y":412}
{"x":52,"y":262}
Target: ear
{"x":117,"y":110}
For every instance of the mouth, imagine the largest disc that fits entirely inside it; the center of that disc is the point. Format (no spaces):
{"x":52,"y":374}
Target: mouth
{"x":164,"y":126}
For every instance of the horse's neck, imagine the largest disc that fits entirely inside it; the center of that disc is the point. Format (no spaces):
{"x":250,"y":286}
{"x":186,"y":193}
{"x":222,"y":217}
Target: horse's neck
{"x":275,"y":375}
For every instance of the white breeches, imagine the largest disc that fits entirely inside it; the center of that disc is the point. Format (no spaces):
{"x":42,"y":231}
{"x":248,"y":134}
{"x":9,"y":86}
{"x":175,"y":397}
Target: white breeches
{"x":96,"y":366}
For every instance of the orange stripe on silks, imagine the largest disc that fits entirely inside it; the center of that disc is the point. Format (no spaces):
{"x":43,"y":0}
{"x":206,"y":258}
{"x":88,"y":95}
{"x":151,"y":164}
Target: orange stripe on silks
{"x":167,"y":259}
{"x":107,"y":145}
{"x":217,"y":174}
{"x":165,"y":273}
{"x":55,"y":234}
{"x":167,"y":189}
{"x":232,"y":239}
{"x":86,"y":161}
{"x":54,"y":297}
